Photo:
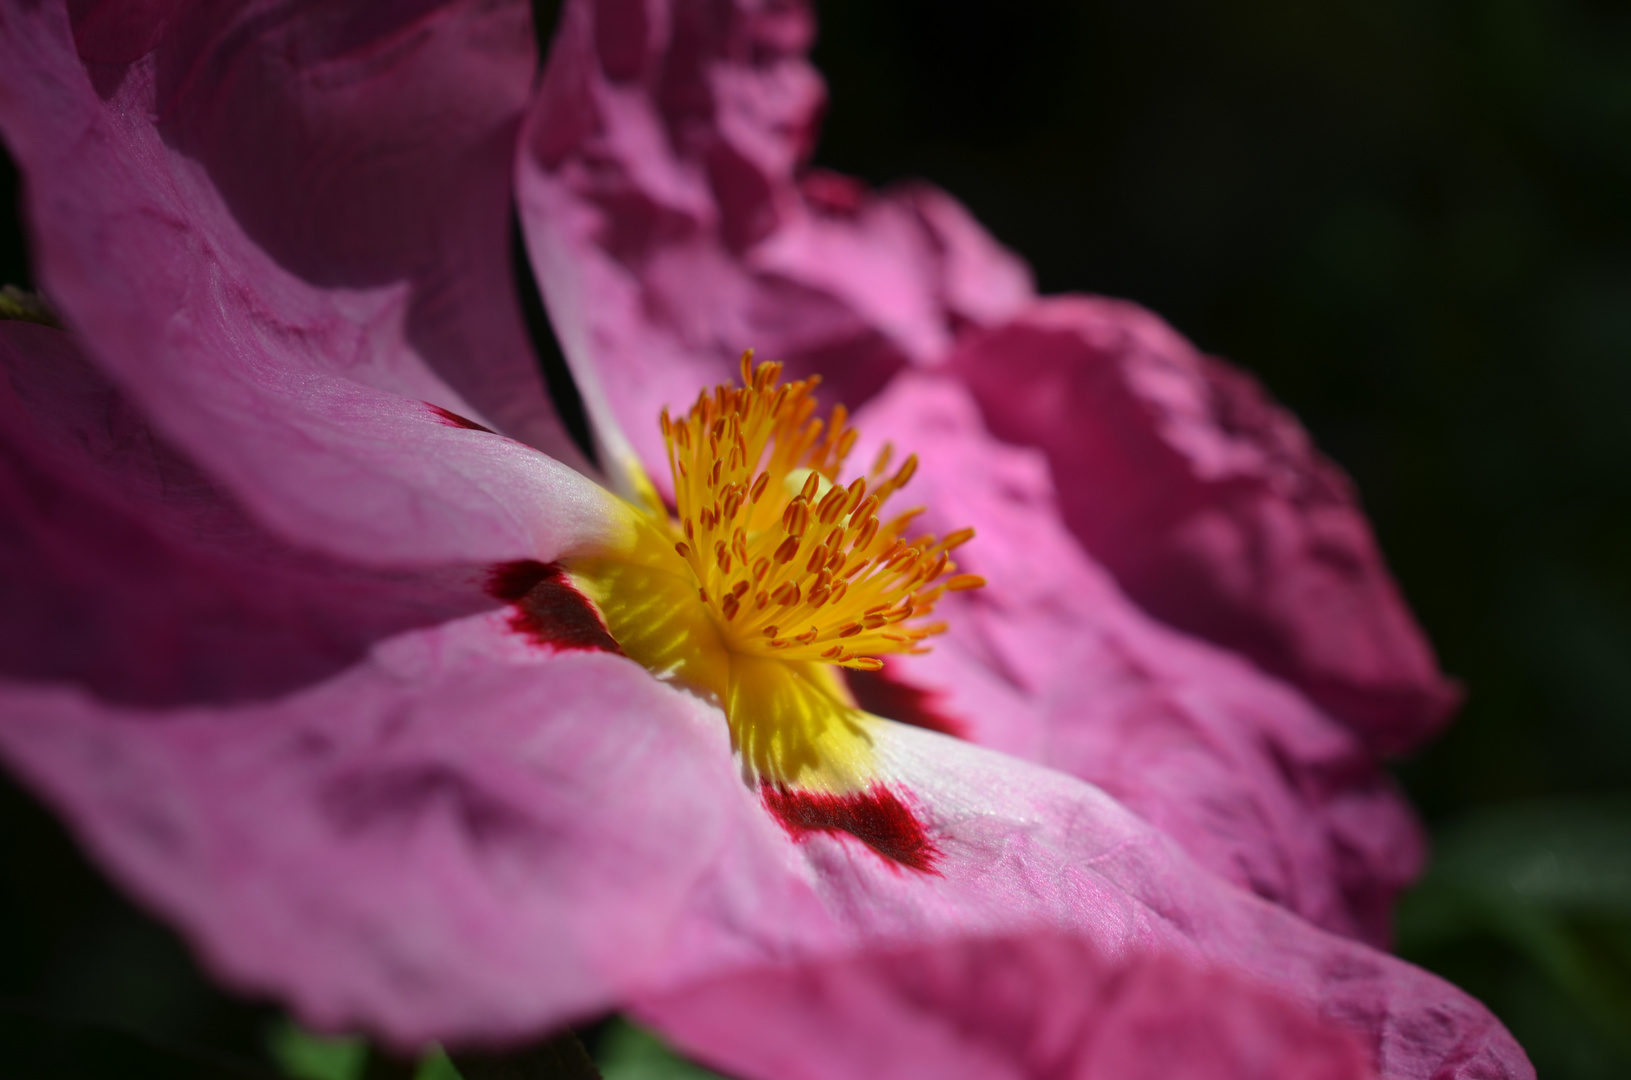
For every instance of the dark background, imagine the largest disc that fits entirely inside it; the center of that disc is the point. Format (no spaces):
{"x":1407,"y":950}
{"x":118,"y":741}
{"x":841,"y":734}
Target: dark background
{"x":1412,"y":219}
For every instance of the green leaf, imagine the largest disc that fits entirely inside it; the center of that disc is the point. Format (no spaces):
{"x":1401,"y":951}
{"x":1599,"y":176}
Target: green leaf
{"x":630,"y":1052}
{"x":305,"y":1056}
{"x":302,"y":1055}
{"x":24,"y":306}
{"x":434,"y":1064}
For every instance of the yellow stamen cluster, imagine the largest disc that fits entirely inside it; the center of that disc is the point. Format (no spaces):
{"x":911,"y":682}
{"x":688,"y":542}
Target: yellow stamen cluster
{"x":791,"y":564}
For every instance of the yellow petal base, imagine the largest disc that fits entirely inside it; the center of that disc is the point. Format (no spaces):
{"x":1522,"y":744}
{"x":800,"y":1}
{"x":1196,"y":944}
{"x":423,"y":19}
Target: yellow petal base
{"x":772,"y":577}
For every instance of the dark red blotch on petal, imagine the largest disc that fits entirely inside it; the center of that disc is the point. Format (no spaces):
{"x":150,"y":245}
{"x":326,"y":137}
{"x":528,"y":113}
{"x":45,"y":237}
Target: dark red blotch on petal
{"x":453,"y":419}
{"x":881,"y":693}
{"x":876,"y":817}
{"x":547,"y":608}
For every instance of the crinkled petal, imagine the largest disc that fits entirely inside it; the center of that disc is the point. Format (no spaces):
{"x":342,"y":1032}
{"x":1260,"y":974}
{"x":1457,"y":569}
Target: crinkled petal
{"x":1043,"y":1005}
{"x":284,"y":230}
{"x":950,"y":964}
{"x":1211,"y":506}
{"x":126,"y":570}
{"x":1053,"y":663}
{"x":464,"y":835}
{"x":657,"y":189}
{"x":470,"y":837}
{"x":1024,"y":849}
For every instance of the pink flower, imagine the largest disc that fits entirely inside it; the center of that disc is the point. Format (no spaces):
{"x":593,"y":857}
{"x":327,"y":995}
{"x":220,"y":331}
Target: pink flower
{"x":248,"y":531}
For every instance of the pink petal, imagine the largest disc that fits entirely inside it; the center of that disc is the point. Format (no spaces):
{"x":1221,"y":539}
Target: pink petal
{"x":1211,"y":506}
{"x":468,"y":837}
{"x":283,"y":234}
{"x":464,"y":835}
{"x":125,"y":569}
{"x":657,"y":189}
{"x":1053,"y":663}
{"x":1025,"y":850}
{"x":1047,"y":1004}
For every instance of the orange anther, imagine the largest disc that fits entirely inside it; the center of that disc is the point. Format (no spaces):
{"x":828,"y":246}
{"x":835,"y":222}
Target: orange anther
{"x":832,"y":505}
{"x":715,"y":451}
{"x":868,"y":531}
{"x":796,"y":518}
{"x":908,"y":469}
{"x":857,"y":492}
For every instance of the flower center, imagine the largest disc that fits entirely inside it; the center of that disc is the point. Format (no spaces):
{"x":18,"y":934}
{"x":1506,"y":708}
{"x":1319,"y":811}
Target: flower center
{"x":791,"y":564}
{"x":774,"y":574}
